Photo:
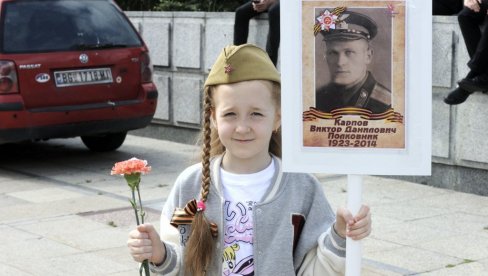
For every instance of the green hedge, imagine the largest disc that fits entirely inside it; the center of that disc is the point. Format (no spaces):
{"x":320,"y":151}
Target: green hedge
{"x":179,"y":5}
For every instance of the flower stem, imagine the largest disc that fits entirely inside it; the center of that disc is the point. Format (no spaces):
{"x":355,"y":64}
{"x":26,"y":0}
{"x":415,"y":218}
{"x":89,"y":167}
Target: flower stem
{"x":145,"y":264}
{"x":144,"y":267}
{"x":134,"y":206}
{"x":140,"y":205}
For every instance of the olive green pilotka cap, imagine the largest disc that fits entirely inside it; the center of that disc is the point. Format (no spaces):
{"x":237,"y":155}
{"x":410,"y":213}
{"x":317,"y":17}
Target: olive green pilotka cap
{"x":242,"y":63}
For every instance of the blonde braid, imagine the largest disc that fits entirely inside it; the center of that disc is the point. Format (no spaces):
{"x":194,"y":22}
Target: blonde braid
{"x":207,"y":106}
{"x":200,"y":245}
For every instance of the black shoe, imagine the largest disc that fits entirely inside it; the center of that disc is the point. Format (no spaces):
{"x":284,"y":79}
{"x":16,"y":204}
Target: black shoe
{"x":478,"y":83}
{"x":457,"y":96}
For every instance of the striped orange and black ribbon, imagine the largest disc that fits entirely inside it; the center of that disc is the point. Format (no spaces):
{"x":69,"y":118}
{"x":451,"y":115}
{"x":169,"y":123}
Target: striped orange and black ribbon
{"x":389,"y":116}
{"x":185,"y":215}
{"x":338,"y":10}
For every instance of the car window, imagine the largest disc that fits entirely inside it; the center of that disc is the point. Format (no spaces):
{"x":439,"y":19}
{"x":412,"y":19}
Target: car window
{"x":53,"y":25}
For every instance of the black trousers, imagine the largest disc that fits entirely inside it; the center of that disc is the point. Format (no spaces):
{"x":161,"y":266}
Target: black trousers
{"x":476,"y":39}
{"x":244,"y":14}
{"x":446,"y":7}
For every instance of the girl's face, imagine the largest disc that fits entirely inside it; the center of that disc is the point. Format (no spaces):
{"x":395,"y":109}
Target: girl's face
{"x":245,"y":115}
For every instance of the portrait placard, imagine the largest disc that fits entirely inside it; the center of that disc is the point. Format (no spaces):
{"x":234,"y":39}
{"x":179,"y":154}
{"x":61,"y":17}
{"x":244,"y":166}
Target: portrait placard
{"x":358,"y":88}
{"x":354,"y":95}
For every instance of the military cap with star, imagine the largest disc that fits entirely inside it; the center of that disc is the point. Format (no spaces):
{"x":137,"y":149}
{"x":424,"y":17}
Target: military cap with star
{"x":242,"y":63}
{"x":348,"y":25}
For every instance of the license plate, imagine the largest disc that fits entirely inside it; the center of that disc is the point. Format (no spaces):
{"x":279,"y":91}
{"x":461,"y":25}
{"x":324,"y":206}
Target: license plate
{"x":83,"y":77}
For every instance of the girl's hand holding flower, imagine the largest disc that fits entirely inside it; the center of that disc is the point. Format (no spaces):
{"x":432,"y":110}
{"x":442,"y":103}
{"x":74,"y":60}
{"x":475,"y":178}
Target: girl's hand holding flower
{"x":145,"y":244}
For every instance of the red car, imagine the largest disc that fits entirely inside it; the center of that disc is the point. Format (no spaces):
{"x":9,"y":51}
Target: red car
{"x":72,"y":68}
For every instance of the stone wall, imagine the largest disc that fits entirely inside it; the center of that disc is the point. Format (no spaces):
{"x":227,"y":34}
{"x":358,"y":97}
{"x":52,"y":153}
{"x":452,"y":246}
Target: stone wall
{"x":459,"y":150}
{"x":183,"y":46}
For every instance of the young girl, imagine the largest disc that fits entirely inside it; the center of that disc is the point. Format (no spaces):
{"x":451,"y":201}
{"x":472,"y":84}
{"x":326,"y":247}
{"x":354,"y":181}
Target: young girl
{"x":238,"y":213}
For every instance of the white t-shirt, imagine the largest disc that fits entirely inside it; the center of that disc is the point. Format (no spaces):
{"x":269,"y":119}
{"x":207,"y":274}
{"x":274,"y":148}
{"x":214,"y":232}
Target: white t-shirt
{"x":241,"y":193}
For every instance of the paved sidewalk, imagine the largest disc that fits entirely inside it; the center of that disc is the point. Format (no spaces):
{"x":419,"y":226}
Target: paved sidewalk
{"x":61,"y":213}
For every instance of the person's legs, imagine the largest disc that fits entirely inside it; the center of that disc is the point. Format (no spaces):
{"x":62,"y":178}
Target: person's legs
{"x":243,"y":15}
{"x":446,"y":7}
{"x":273,"y":42}
{"x":471,"y":35}
{"x":469,"y":22}
{"x":479,"y":60}
{"x":477,"y":79}
{"x":477,"y":46}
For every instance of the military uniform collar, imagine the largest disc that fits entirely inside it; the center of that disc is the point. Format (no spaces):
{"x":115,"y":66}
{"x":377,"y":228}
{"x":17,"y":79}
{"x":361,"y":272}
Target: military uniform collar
{"x":348,"y":93}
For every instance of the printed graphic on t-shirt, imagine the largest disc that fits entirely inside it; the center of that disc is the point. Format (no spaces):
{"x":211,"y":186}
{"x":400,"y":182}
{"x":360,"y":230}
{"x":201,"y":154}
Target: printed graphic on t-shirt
{"x":237,"y":257}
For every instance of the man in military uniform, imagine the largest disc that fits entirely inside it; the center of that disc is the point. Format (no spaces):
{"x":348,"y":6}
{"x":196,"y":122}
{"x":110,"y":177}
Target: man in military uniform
{"x":348,"y":54}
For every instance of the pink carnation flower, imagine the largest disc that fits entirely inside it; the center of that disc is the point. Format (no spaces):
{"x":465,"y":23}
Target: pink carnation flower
{"x":130,"y":166}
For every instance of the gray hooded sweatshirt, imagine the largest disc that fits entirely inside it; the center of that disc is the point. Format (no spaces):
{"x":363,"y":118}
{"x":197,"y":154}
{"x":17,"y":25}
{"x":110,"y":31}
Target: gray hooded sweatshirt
{"x":293,"y":233}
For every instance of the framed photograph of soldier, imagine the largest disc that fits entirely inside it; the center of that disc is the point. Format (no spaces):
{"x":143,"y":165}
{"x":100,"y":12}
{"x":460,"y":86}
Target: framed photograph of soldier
{"x":356,"y":88}
{"x":356,"y":98}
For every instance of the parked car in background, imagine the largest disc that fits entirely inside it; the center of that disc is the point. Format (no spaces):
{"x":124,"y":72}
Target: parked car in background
{"x":72,"y":68}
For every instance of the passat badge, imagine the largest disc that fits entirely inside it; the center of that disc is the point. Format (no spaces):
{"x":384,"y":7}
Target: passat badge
{"x":42,"y":78}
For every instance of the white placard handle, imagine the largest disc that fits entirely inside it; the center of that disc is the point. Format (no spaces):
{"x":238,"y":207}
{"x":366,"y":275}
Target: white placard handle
{"x":354,"y":248}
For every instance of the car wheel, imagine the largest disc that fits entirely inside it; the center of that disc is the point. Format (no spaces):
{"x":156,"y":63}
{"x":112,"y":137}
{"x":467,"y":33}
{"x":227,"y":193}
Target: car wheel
{"x":104,"y":142}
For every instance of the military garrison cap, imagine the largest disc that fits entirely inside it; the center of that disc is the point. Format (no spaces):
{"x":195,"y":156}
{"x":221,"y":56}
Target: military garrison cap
{"x":242,"y":63}
{"x":350,"y":26}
